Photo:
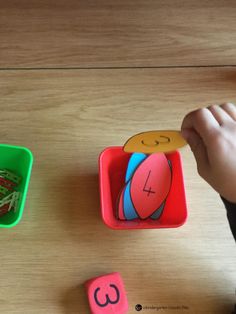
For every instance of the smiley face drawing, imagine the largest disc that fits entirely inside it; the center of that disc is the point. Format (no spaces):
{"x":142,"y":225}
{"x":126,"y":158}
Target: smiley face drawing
{"x":155,"y":141}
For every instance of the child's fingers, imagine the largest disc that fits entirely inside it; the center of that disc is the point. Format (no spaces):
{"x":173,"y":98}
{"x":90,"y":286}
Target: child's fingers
{"x":230,"y":109}
{"x":202,"y":122}
{"x":219,"y":114}
{"x":199,"y":150}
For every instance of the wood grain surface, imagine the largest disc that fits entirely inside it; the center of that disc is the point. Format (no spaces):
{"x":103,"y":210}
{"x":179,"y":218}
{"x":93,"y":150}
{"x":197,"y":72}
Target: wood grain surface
{"x":67,"y":117}
{"x":110,"y":33}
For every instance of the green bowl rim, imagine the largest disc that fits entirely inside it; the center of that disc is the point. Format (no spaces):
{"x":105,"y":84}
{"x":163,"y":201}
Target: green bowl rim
{"x":21,"y":210}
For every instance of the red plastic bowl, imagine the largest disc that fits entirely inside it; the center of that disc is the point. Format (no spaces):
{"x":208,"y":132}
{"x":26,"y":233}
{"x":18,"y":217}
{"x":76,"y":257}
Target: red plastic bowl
{"x":113,"y":163}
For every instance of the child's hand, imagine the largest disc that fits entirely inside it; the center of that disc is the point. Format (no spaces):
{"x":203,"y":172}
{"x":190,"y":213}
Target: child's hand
{"x":211,"y":134}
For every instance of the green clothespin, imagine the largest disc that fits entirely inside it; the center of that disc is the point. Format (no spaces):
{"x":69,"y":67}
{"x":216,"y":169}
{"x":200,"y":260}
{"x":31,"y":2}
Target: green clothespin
{"x":3,"y":190}
{"x":11,"y":176}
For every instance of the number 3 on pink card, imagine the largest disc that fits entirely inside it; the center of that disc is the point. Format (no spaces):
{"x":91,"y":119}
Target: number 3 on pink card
{"x":108,"y":300}
{"x":107,"y":294}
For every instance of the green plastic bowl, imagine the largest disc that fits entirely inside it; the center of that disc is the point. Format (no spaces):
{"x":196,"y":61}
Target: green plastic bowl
{"x":19,"y":160}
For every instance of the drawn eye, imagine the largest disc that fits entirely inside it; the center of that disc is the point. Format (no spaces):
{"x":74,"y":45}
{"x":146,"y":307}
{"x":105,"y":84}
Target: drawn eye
{"x":165,"y":141}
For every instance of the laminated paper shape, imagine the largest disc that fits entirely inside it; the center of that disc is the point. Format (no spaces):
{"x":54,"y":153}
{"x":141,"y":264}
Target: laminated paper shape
{"x":157,"y":214}
{"x":120,"y":206}
{"x":150,"y":185}
{"x":134,"y":162}
{"x":129,"y":209}
{"x":152,"y":177}
{"x":155,"y":141}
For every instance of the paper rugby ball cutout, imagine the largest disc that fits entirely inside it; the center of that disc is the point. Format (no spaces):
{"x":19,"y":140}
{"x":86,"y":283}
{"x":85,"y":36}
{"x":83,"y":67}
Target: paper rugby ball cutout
{"x":155,"y":141}
{"x":148,"y":181}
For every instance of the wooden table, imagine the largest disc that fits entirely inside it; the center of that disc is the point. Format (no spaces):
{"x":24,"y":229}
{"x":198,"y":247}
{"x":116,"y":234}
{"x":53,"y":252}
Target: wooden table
{"x":66,"y":104}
